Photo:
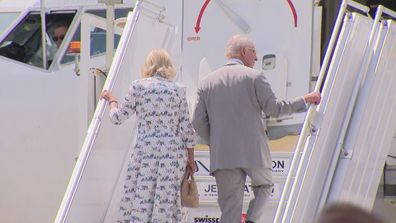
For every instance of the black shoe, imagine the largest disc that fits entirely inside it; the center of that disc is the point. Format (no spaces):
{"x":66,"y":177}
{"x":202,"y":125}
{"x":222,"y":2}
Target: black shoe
{"x":249,"y":222}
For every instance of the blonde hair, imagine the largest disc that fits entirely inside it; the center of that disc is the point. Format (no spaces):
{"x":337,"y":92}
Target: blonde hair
{"x":235,"y":44}
{"x":158,"y":61}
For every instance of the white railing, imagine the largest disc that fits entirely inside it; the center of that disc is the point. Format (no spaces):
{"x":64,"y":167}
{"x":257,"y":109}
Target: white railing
{"x":310,"y":127}
{"x":369,"y":53}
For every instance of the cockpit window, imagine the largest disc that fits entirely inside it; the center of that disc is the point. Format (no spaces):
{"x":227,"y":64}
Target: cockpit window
{"x":98,"y":35}
{"x":24,"y":42}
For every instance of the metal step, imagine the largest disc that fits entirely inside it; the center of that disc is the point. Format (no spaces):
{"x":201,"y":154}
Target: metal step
{"x":389,"y":178}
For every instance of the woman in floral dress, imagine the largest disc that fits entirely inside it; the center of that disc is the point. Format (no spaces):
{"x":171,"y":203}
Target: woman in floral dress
{"x":164,"y":146}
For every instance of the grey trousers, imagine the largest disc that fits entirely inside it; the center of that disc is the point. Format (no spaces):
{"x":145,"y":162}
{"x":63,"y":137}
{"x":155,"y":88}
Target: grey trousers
{"x":230,"y":189}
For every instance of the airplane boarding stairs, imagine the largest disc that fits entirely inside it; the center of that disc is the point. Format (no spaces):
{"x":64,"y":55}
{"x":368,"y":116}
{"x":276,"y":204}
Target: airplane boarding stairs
{"x":346,"y":139}
{"x":353,"y":93}
{"x":95,"y":188}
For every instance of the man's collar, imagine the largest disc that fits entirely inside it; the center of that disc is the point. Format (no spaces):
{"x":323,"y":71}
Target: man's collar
{"x":234,"y":61}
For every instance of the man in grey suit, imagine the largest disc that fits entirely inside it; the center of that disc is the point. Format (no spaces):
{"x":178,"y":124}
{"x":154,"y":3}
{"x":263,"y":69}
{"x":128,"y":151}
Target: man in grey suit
{"x":229,"y":116}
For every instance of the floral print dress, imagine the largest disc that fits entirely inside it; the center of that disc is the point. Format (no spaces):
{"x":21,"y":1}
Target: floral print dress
{"x":159,"y":158}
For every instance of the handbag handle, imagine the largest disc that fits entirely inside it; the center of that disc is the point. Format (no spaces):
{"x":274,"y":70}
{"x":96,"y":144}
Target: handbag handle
{"x":189,"y":173}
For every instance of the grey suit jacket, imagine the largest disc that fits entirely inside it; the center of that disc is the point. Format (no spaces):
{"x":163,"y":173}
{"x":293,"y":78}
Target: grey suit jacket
{"x":229,"y":116}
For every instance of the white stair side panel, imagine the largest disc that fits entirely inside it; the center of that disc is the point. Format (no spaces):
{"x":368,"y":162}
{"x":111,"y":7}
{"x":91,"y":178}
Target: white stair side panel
{"x":103,"y":169}
{"x":339,"y":176}
{"x":207,"y":190}
{"x":346,"y":166}
{"x":211,"y":214}
{"x":280,"y":163}
{"x":336,"y":107}
{"x":301,"y":158}
{"x":357,"y":178}
{"x":380,"y":124}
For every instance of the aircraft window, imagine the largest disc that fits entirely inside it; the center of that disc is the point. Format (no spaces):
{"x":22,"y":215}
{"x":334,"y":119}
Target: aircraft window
{"x":6,"y":19}
{"x":24,"y":42}
{"x":98,"y":36}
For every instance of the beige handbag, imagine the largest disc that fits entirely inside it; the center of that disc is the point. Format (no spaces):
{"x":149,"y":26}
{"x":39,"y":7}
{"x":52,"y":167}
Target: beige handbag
{"x":189,"y":191}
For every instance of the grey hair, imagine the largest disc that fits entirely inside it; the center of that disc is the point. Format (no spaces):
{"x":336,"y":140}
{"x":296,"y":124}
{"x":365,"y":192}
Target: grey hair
{"x":235,"y":44}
